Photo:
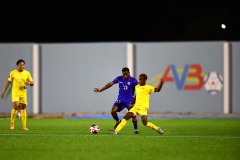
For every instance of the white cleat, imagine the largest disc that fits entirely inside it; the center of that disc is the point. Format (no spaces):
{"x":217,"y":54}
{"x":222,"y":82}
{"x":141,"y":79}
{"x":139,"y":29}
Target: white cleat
{"x":111,"y":132}
{"x":160,"y":131}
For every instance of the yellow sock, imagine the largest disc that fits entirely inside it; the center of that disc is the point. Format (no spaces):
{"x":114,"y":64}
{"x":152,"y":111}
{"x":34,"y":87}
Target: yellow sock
{"x":121,"y":125}
{"x":24,"y":117}
{"x":13,"y":115}
{"x":150,"y":125}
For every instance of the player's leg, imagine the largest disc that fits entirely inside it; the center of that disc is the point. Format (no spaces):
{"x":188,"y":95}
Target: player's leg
{"x":151,"y":125}
{"x":24,"y":116}
{"x":122,"y":123}
{"x":117,"y":107}
{"x":19,"y":111}
{"x":135,"y":124}
{"x":148,"y":124}
{"x":144,"y":115}
{"x":15,"y":102}
{"x":13,"y":114}
{"x":114,"y":113}
{"x":23,"y":104}
{"x":134,"y":119}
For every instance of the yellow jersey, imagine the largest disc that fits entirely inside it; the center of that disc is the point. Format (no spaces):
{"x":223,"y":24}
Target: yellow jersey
{"x":18,"y":80}
{"x":143,"y":96}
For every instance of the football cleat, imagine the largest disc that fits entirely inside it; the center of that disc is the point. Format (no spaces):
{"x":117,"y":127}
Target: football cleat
{"x":12,"y":126}
{"x":136,"y":132}
{"x":111,"y":132}
{"x":160,"y":131}
{"x":25,"y":128}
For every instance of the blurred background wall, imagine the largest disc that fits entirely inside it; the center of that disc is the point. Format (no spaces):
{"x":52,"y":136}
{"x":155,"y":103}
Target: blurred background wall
{"x":68,"y":72}
{"x":9,"y":54}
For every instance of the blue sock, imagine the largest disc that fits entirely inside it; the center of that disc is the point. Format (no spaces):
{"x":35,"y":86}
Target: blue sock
{"x":135,"y":125}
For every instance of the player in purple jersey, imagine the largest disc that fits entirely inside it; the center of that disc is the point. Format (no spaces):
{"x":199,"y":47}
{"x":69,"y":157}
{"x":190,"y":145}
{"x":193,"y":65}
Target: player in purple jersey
{"x":125,"y":95}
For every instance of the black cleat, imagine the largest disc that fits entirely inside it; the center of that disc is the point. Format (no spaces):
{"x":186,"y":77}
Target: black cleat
{"x":136,"y":132}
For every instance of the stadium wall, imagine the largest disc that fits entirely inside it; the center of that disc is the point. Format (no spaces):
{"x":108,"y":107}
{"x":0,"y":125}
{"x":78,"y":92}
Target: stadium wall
{"x":9,"y":54}
{"x":68,"y":72}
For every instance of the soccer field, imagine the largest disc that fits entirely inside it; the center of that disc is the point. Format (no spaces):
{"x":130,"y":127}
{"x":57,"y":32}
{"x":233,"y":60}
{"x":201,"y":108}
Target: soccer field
{"x":70,"y":139}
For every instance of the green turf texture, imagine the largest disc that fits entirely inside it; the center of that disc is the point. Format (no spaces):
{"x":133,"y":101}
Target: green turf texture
{"x":70,"y":139}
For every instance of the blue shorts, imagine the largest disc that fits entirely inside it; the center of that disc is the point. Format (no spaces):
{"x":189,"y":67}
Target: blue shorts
{"x":122,"y":104}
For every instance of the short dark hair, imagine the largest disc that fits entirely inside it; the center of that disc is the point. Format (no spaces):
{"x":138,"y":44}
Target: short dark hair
{"x":19,"y":61}
{"x":125,"y":69}
{"x":143,"y":75}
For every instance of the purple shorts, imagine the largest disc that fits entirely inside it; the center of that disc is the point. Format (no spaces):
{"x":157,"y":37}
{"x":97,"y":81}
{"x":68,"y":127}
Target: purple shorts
{"x":122,"y":104}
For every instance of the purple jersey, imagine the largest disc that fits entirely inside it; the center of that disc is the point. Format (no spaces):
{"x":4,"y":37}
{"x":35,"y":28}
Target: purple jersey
{"x":126,"y":88}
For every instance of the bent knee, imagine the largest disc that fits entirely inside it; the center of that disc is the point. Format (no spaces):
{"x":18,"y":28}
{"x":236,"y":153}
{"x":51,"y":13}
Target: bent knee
{"x":113,"y":112}
{"x":22,"y":106}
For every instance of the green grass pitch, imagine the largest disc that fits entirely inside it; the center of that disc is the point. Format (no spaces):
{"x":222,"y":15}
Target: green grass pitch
{"x":70,"y":139}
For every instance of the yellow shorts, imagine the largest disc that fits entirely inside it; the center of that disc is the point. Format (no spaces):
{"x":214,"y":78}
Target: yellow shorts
{"x":21,"y":98}
{"x":139,"y":111}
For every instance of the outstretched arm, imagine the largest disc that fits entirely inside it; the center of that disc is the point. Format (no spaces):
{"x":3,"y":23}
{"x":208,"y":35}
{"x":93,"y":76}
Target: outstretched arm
{"x":159,"y":87}
{"x":108,"y":85}
{"x":5,"y":89}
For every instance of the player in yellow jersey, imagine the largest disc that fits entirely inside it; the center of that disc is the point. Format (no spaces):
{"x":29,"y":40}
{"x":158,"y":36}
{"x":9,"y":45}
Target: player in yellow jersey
{"x":141,"y":106}
{"x":19,"y":78}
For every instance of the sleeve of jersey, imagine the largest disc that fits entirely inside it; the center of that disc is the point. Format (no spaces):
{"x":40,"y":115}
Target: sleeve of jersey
{"x":152,"y":89}
{"x":116,"y":80}
{"x":29,"y":77}
{"x":10,"y":76}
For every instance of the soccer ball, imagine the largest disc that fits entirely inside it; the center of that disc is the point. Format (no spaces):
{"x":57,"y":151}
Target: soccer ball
{"x":94,"y":129}
{"x":213,"y":82}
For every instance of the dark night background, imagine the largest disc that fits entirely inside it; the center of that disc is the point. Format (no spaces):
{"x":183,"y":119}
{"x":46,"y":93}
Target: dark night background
{"x":164,"y":23}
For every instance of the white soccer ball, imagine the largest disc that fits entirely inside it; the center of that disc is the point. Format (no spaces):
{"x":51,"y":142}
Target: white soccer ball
{"x":94,"y":129}
{"x":213,"y":82}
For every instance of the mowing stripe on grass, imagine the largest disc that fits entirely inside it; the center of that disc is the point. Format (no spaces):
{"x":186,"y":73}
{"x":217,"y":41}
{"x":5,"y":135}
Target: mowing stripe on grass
{"x":104,"y":135}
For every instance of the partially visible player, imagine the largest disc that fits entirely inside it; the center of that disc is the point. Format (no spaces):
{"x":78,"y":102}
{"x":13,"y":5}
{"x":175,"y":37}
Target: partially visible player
{"x":142,"y":99}
{"x":20,"y":78}
{"x":126,"y":93}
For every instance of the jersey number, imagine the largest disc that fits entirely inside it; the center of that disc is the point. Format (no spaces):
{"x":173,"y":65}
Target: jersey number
{"x":125,"y":87}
